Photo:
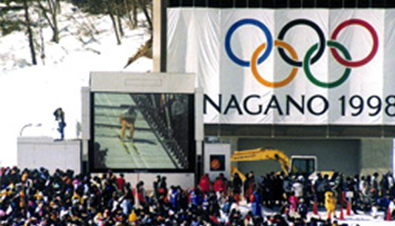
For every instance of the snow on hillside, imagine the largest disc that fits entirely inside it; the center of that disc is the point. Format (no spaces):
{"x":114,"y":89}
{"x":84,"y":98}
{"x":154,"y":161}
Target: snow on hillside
{"x":30,"y":94}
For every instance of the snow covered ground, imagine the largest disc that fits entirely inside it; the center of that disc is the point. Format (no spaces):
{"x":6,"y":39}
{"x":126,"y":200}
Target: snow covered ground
{"x":30,"y":94}
{"x":361,"y":219}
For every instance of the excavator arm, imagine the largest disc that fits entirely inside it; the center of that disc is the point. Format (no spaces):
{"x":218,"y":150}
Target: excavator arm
{"x":261,"y":154}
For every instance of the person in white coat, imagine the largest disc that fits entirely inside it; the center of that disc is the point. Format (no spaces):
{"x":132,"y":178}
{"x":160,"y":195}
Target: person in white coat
{"x":297,"y":187}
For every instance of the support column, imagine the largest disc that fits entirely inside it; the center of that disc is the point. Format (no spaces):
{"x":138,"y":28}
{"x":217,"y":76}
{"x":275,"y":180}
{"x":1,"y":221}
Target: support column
{"x":159,"y":35}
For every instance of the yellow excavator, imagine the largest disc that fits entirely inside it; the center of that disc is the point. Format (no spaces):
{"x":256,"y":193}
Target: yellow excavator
{"x":302,"y":164}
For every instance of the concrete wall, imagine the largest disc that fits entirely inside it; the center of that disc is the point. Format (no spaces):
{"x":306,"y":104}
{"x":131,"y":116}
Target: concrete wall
{"x":340,"y":155}
{"x":36,"y":152}
{"x":349,"y":156}
{"x":376,"y":156}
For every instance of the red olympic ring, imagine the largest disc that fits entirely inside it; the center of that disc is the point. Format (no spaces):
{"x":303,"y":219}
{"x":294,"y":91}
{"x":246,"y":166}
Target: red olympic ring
{"x":369,"y":57}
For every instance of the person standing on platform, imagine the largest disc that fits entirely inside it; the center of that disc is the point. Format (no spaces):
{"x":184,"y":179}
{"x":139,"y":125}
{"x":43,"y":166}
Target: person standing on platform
{"x":59,"y":118}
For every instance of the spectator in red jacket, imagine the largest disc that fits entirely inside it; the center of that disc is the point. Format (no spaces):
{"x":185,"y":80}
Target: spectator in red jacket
{"x":205,"y":184}
{"x":218,"y":184}
{"x":121,"y":182}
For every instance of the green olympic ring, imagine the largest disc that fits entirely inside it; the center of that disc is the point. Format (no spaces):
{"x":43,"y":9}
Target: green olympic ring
{"x":311,"y":77}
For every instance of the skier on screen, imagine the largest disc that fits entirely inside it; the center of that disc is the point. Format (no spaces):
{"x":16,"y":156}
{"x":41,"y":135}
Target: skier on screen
{"x":127,"y":119}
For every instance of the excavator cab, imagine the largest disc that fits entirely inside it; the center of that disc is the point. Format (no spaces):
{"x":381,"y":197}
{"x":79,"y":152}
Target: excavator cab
{"x":302,"y":164}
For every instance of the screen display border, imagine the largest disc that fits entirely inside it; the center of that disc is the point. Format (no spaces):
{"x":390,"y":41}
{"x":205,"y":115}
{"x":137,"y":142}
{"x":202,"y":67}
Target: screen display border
{"x":191,"y":157}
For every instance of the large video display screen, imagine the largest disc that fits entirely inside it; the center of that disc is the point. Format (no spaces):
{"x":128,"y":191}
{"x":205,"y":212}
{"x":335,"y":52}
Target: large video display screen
{"x":142,"y":132}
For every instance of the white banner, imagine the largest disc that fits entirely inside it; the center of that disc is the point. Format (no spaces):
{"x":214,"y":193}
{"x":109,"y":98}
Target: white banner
{"x":304,"y":66}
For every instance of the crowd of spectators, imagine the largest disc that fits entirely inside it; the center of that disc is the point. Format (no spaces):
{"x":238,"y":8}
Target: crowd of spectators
{"x":37,"y":197}
{"x":365,"y":193}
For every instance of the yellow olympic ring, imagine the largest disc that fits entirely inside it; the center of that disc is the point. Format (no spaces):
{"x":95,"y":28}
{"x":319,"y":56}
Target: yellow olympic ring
{"x":263,"y":81}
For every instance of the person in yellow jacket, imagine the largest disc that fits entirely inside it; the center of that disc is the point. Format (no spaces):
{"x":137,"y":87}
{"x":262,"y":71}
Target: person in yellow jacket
{"x":132,"y":216}
{"x":330,"y":204}
{"x":127,"y":119}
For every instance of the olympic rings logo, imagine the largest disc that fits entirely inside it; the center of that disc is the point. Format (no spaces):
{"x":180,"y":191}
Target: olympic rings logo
{"x":313,"y":54}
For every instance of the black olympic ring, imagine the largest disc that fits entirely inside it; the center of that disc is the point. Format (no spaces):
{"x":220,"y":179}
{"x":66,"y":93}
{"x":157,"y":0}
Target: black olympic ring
{"x":311,"y":24}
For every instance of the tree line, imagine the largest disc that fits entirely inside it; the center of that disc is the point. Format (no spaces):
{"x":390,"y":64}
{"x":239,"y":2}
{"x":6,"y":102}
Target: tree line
{"x":38,"y":14}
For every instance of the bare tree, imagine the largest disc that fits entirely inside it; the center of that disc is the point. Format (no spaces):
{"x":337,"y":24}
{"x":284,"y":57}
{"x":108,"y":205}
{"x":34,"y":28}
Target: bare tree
{"x":134,"y":14}
{"x":145,"y":49}
{"x":119,"y":19}
{"x":110,"y":8}
{"x":53,"y":8}
{"x":29,"y":32}
{"x":143,"y":5}
{"x":131,"y":12}
{"x":42,"y":42}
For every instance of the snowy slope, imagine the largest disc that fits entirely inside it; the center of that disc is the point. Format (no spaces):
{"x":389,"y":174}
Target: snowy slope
{"x":30,"y":94}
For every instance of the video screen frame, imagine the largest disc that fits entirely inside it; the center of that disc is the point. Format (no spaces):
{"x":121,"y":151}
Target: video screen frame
{"x":116,"y":86}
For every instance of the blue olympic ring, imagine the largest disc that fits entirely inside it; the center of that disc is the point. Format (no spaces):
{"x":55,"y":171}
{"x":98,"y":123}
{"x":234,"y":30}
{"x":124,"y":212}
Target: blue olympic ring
{"x":232,"y":29}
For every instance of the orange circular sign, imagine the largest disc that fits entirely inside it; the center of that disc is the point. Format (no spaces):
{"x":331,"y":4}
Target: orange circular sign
{"x":215,"y":164}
